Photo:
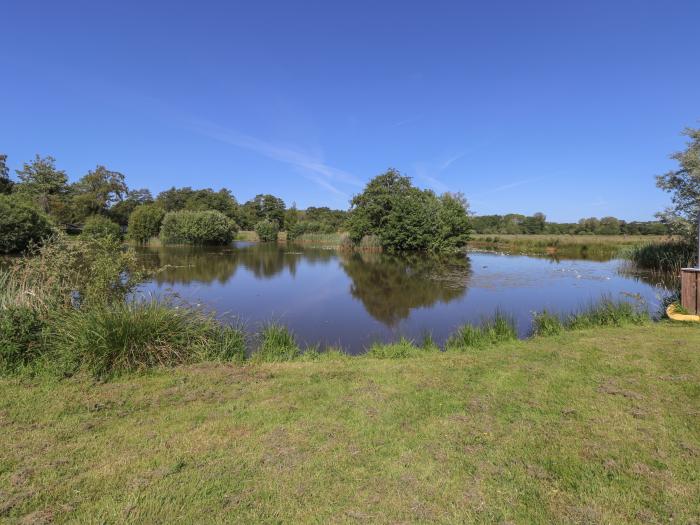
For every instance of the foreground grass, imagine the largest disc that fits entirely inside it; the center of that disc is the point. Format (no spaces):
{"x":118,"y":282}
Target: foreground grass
{"x":588,"y":426}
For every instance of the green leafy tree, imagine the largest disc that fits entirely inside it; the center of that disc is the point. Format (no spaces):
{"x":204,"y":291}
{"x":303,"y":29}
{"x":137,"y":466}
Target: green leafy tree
{"x":42,"y":182}
{"x":145,"y":222}
{"x":267,"y":230}
{"x":406,"y":218}
{"x":177,"y":199}
{"x":98,"y":190}
{"x":99,"y":227}
{"x":121,"y":211}
{"x":21,"y":224}
{"x":684,"y":186}
{"x":5,"y":182}
{"x":534,"y":224}
{"x":291,"y":217}
{"x":265,"y":207}
{"x":609,"y":226}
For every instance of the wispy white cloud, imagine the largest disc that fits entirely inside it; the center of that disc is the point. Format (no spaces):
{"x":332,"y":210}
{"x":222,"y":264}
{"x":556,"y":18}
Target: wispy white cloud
{"x":405,"y":122}
{"x":429,"y":172}
{"x":509,"y":186}
{"x":310,"y":165}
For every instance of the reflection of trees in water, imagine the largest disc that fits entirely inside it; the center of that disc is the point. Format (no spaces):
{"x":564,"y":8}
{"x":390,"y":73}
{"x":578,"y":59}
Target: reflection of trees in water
{"x":389,"y":286}
{"x":184,"y":264}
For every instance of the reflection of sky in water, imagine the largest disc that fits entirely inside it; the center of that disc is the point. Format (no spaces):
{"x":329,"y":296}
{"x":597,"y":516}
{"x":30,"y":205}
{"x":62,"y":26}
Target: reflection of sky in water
{"x":331,"y":298}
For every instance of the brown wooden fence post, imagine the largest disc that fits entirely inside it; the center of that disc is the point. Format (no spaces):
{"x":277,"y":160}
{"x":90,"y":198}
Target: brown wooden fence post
{"x":690,"y":290}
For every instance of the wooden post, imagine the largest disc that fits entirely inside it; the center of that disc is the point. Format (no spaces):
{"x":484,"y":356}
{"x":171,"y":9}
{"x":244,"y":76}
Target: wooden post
{"x":690,"y":290}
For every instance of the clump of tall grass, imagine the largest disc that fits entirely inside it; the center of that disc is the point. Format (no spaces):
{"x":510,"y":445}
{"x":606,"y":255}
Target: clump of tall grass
{"x":370,"y":243}
{"x":277,"y":343}
{"x":131,"y":336}
{"x":492,"y":331}
{"x":669,"y":256}
{"x":607,"y":313}
{"x":546,"y":324}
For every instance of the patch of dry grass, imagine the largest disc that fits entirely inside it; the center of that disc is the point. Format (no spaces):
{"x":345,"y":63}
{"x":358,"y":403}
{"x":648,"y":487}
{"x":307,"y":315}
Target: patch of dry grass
{"x":593,"y":426}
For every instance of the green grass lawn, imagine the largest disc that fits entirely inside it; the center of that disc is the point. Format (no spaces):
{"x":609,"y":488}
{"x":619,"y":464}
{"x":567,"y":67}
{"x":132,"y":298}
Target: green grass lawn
{"x":591,"y":426}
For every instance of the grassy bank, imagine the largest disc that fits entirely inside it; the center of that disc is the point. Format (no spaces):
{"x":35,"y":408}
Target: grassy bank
{"x":566,"y":240}
{"x":590,"y":426}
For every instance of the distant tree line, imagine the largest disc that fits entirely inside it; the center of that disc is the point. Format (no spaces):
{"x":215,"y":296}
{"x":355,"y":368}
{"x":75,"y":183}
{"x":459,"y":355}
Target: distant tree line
{"x":41,"y":198}
{"x":514,"y":223}
{"x":389,"y":211}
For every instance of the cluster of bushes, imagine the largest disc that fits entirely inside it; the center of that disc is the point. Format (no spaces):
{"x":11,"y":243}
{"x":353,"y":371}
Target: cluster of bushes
{"x":267,"y":230}
{"x":21,"y":224}
{"x":197,"y":227}
{"x":145,"y":222}
{"x":406,"y":218}
{"x":99,"y":227}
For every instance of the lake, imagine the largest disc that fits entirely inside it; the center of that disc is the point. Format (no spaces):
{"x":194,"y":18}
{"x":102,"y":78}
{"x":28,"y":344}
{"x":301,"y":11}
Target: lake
{"x":333,"y":298}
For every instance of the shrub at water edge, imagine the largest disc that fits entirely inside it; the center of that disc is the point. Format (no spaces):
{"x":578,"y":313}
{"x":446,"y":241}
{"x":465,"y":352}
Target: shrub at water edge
{"x":145,"y":222}
{"x":197,"y":227}
{"x":98,"y":226}
{"x":266,"y":230}
{"x":21,"y":224}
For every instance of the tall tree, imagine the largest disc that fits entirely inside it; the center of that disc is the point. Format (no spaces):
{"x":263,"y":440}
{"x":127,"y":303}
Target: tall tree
{"x":121,"y":211}
{"x":98,"y":190}
{"x":42,"y":182}
{"x":684,"y":186}
{"x":5,"y":182}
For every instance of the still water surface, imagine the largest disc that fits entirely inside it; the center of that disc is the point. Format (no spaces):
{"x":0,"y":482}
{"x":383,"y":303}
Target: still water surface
{"x":350,"y":300}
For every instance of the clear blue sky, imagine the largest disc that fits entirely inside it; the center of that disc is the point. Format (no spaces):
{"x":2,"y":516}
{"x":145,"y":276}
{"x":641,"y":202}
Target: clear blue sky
{"x":569,"y":108}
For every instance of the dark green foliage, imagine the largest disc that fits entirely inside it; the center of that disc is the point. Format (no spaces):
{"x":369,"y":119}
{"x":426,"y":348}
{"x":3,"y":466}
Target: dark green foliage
{"x":131,"y":336}
{"x":684,"y":186}
{"x":668,"y":256}
{"x":497,"y":330}
{"x":145,"y":222}
{"x":263,"y":207}
{"x":197,"y":227}
{"x":43,"y":183}
{"x":20,"y":224}
{"x":406,"y":218}
{"x":277,"y":343}
{"x":20,"y":337}
{"x":97,"y":191}
{"x":266,"y":230}
{"x":122,"y":210}
{"x":5,"y":183}
{"x":99,"y":226}
{"x":178,"y":199}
